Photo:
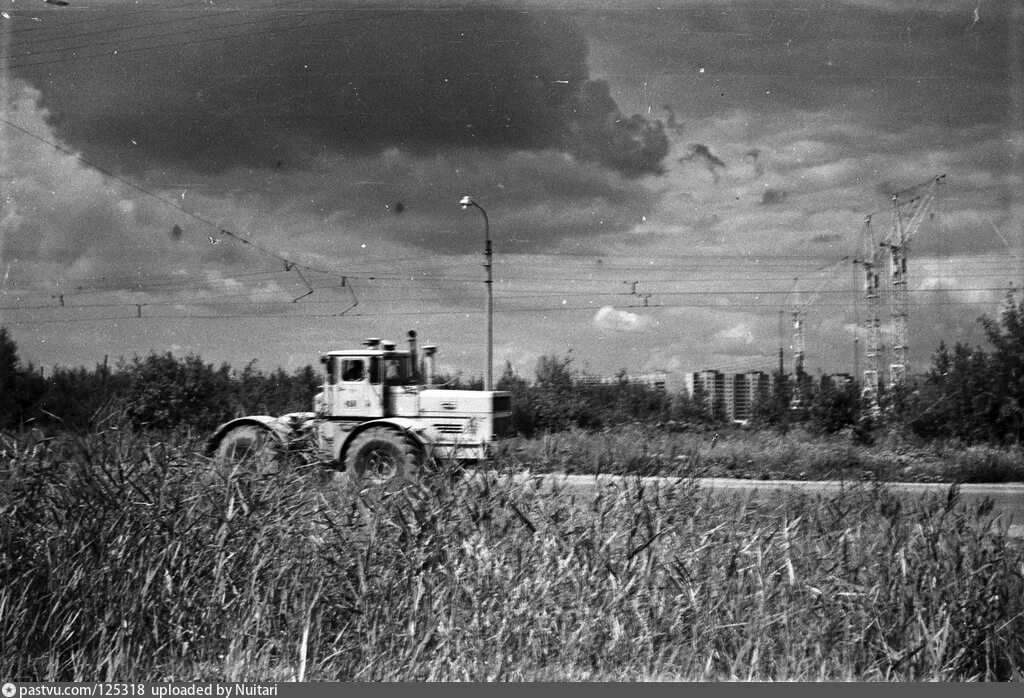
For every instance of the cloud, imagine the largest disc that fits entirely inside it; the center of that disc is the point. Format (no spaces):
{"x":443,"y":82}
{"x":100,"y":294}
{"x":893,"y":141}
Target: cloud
{"x":773,"y":196}
{"x":66,"y":223}
{"x":286,"y":85}
{"x":701,"y":153}
{"x":737,"y":339}
{"x":671,"y":122}
{"x":608,"y":318}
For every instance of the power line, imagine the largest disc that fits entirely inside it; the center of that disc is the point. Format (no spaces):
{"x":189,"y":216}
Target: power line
{"x":400,"y":280}
{"x":255,"y":313}
{"x":718,"y":293}
{"x":289,"y":264}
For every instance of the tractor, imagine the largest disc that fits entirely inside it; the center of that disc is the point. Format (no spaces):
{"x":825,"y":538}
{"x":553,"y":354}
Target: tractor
{"x":378,"y":418}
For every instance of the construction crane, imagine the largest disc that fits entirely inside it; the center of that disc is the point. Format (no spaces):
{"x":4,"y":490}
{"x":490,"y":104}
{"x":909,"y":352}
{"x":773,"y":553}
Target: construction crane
{"x":910,"y":208}
{"x":907,"y":216}
{"x":798,"y":308}
{"x":871,"y":257}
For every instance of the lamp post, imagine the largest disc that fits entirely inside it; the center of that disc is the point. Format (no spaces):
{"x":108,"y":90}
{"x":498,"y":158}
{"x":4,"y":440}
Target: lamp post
{"x":489,"y":375}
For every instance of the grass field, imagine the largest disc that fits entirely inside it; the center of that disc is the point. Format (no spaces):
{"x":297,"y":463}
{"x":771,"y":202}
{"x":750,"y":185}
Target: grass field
{"x":742,"y":453}
{"x":129,"y":559}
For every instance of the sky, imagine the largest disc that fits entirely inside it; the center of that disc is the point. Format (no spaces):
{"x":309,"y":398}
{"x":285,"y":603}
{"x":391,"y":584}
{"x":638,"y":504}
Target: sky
{"x":664,"y":185}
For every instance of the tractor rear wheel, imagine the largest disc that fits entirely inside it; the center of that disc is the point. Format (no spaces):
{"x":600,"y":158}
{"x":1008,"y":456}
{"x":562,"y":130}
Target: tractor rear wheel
{"x":384,"y":457}
{"x":252,"y":448}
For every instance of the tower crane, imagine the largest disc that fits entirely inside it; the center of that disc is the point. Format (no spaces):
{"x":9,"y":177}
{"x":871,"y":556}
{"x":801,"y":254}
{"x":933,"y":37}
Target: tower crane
{"x":871,"y":258}
{"x":907,"y":217}
{"x":798,"y":308}
{"x":910,"y":208}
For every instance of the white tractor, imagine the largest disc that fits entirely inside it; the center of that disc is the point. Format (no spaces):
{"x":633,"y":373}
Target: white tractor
{"x":378,"y":418}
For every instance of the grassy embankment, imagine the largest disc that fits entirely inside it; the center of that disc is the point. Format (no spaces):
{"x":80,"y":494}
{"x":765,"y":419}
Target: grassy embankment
{"x":135,"y":560}
{"x":762,"y":455}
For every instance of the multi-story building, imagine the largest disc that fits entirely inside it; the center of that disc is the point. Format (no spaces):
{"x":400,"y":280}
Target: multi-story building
{"x":748,"y":389}
{"x":733,"y":396}
{"x":711,"y":387}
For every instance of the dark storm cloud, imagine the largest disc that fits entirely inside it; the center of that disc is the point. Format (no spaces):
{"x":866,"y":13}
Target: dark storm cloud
{"x":894,"y":65}
{"x":598,"y":131}
{"x":272,"y":87}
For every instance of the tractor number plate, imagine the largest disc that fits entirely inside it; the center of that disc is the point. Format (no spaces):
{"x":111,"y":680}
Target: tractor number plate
{"x":350,"y":403}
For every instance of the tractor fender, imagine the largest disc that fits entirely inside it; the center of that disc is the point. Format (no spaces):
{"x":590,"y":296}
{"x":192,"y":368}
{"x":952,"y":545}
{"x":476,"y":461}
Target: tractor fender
{"x":418,"y":431}
{"x":274,"y":425}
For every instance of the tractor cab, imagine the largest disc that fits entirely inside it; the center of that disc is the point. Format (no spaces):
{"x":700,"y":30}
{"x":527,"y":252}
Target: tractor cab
{"x":369,"y":383}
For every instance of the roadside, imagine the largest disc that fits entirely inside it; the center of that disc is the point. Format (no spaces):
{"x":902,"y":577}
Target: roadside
{"x":1004,"y":502}
{"x":737,"y":453}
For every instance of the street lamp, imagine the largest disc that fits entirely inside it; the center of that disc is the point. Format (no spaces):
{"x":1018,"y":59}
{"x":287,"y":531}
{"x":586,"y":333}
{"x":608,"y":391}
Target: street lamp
{"x":489,"y":375}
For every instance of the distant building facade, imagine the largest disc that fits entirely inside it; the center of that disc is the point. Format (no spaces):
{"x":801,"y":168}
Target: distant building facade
{"x":732,"y":396}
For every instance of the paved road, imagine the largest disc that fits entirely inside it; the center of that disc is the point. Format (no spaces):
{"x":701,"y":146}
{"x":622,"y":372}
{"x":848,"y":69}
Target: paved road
{"x":1007,"y":499}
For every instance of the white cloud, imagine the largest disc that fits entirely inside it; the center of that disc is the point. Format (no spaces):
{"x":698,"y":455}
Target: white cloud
{"x":736,"y":339}
{"x":608,"y":318}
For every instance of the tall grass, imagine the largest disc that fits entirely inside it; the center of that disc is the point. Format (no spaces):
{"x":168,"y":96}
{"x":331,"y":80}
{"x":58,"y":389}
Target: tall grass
{"x":732,"y":452}
{"x":123,"y":559}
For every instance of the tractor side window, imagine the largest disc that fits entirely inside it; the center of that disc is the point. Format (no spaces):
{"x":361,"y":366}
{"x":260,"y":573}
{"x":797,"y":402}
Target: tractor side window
{"x":392,"y":372}
{"x":352,"y":370}
{"x":375,"y":370}
{"x":397,"y":371}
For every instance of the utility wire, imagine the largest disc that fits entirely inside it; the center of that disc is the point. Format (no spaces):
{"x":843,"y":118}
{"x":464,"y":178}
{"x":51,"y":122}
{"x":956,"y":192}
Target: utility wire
{"x":393,"y":313}
{"x":287,"y":262}
{"x":516,"y":295}
{"x":259,"y":310}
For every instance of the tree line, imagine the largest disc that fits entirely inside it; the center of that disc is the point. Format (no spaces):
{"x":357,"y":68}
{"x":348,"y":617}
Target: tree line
{"x":974,"y":394}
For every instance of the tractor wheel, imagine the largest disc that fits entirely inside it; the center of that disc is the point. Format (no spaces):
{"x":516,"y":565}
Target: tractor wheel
{"x":383,"y":457}
{"x":251,"y":448}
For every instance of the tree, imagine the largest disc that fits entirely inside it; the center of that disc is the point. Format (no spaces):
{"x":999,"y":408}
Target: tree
{"x":524,"y":416}
{"x":555,"y":400}
{"x":833,"y":407}
{"x":773,"y":409}
{"x":976,"y":395}
{"x":167,"y":392}
{"x":20,"y":388}
{"x":1007,"y":367}
{"x":8,"y":371}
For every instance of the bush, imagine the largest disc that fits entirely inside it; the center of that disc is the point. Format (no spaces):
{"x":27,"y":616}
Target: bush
{"x":159,"y":392}
{"x":164,"y":392}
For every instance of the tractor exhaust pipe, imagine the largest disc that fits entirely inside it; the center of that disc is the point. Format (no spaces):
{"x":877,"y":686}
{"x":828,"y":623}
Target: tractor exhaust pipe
{"x":414,"y":360}
{"x":428,"y":363}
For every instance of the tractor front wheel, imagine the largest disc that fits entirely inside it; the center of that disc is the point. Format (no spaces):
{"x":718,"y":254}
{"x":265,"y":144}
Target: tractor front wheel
{"x":383,"y":457}
{"x":251,"y":447}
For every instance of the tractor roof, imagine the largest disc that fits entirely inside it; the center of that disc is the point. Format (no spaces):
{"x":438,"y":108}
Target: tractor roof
{"x":367,"y":352}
